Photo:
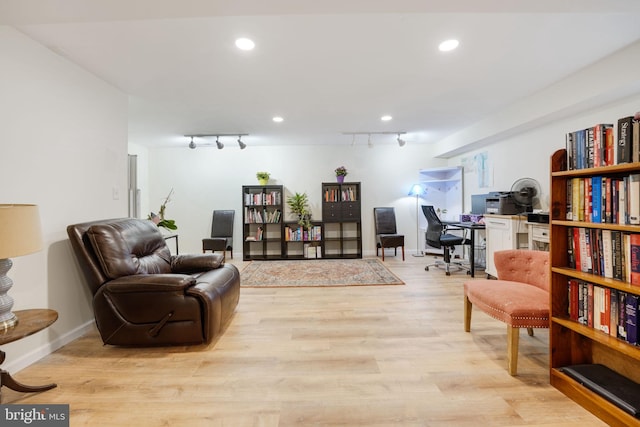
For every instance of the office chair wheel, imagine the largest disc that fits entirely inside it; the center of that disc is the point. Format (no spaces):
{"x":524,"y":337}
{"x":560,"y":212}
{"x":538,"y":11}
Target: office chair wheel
{"x":426,"y":269}
{"x":448,"y":273}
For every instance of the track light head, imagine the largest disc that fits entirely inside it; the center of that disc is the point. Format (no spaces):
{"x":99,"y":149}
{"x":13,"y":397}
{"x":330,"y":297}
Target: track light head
{"x":219,"y":144}
{"x":240,"y":143}
{"x":401,"y":142}
{"x":192,"y":144}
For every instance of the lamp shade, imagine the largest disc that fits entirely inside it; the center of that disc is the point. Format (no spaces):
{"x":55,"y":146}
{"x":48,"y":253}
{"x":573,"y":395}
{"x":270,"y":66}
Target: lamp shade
{"x":416,"y":190}
{"x":20,"y":231}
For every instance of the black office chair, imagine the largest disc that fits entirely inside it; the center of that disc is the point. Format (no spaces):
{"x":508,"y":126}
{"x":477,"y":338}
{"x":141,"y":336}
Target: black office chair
{"x":386,"y":232}
{"x":221,"y":233}
{"x":438,"y":238}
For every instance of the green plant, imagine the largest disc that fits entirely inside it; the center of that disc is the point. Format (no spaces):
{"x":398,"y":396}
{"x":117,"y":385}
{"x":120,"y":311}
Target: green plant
{"x":263,"y":176}
{"x":341,"y":171}
{"x":299,"y":206}
{"x":159,"y":219}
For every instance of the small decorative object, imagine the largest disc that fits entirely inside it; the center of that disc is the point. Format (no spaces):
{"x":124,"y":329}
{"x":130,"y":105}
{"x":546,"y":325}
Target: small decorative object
{"x":263,"y":177}
{"x":299,"y":205}
{"x":341,"y":172}
{"x":159,"y":219}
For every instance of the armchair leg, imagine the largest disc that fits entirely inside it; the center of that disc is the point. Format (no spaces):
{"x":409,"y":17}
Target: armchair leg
{"x":467,"y":314}
{"x":383,"y":253}
{"x":403,"y":253}
{"x":513,"y":336}
{"x":530,"y":331}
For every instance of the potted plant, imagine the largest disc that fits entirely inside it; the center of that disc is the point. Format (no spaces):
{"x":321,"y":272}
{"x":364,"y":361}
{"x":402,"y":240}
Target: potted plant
{"x":299,"y":206}
{"x":341,"y":172}
{"x":159,"y":219}
{"x":263,"y":177}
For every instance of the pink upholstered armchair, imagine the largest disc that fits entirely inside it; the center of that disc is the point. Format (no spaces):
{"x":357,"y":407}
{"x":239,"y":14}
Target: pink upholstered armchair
{"x":519,"y":298}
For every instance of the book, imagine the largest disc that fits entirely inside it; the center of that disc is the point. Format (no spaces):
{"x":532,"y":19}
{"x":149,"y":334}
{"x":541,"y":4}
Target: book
{"x":633,"y":198}
{"x":635,"y":259}
{"x":596,"y":199}
{"x":607,"y":252}
{"x":611,"y":150}
{"x":635,"y":140}
{"x":624,"y":139}
{"x":631,"y":312}
{"x":570,"y":146}
{"x":613,"y":321}
{"x":622,"y":316}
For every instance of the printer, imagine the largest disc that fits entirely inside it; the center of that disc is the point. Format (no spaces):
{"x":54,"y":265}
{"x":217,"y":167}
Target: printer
{"x":503,"y":204}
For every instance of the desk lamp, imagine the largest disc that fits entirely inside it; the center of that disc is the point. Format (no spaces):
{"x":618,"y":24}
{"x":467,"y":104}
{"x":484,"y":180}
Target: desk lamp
{"x":417,"y":190}
{"x":20,"y":234}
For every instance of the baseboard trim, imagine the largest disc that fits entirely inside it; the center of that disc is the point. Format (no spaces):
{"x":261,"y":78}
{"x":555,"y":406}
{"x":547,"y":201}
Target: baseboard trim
{"x":44,"y":350}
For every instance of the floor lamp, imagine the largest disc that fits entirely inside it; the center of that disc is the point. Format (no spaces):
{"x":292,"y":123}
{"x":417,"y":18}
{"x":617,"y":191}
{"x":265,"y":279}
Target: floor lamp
{"x":417,"y":190}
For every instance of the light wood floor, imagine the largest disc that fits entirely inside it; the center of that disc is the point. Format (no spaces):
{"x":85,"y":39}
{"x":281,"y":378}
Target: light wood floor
{"x":351,"y":356}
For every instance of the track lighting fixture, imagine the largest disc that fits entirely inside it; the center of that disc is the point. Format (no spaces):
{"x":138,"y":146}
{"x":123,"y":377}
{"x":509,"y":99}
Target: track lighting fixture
{"x":401,"y":142}
{"x":219,"y":144}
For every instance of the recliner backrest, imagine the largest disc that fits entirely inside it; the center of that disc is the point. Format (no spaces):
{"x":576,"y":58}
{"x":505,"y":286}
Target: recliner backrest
{"x":88,"y":257}
{"x":131,"y":247}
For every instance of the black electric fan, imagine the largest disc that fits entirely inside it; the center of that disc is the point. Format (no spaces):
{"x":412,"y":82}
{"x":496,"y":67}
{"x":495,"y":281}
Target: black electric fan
{"x":525,"y":192}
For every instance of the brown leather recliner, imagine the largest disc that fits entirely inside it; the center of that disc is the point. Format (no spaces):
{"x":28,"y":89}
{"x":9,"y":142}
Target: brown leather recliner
{"x":144,"y":296}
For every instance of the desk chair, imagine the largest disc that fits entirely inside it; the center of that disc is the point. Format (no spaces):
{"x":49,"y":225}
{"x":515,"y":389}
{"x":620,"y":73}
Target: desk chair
{"x":386,"y":232}
{"x":438,"y":237}
{"x":221,"y":233}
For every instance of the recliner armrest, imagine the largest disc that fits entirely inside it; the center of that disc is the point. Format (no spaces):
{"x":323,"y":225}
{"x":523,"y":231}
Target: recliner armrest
{"x":150,"y":283}
{"x":194,"y":263}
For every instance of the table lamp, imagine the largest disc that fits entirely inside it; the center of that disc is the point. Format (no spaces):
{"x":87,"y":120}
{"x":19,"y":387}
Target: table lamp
{"x":20,"y":234}
{"x":417,"y":190}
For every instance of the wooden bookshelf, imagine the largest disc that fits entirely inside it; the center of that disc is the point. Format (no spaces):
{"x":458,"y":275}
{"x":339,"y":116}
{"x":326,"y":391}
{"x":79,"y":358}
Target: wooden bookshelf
{"x":341,"y":215}
{"x":572,"y":342}
{"x":303,"y":244}
{"x":262,"y":219}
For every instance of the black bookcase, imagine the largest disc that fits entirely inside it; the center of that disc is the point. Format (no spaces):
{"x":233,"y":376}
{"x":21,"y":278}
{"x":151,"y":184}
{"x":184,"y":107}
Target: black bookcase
{"x":262,"y":230}
{"x":341,"y":216}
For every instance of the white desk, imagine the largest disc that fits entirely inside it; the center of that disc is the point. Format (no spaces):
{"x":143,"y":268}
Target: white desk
{"x":503,"y":232}
{"x":538,"y":236}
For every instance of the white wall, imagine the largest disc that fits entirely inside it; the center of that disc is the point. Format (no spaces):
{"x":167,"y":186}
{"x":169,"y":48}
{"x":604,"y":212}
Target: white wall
{"x":528,"y":154}
{"x":64,"y":146}
{"x":206,"y":178}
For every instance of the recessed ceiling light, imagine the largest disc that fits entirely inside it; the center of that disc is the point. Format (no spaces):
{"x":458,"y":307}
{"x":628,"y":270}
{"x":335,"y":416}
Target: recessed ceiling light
{"x":245,"y":44}
{"x":278,"y":119}
{"x":386,"y":118}
{"x":448,"y":45}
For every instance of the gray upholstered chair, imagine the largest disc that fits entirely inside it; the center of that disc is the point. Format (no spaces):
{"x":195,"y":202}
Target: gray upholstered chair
{"x":221,"y":233}
{"x":386,"y":231}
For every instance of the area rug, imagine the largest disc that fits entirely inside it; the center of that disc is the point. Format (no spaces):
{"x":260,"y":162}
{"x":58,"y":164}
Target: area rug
{"x":317,"y":273}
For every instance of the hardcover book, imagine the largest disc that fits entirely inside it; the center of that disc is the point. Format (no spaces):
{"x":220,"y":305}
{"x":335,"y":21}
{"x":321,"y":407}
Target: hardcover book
{"x":631,"y":311}
{"x":624,"y":139}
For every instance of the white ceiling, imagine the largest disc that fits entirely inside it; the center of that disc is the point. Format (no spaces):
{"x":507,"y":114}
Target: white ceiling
{"x":327,"y":67}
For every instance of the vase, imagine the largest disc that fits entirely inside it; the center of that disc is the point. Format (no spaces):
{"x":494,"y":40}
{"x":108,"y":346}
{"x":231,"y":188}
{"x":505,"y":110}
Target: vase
{"x":340,"y":178}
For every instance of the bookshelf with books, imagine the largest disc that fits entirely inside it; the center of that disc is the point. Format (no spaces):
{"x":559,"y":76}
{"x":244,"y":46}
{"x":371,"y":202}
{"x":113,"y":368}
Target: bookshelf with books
{"x":341,"y":216}
{"x":262,"y":230}
{"x":594,"y":245}
{"x":301,"y":243}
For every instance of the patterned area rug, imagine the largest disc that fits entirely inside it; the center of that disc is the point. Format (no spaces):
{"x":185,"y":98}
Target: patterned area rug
{"x":322,"y":272}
